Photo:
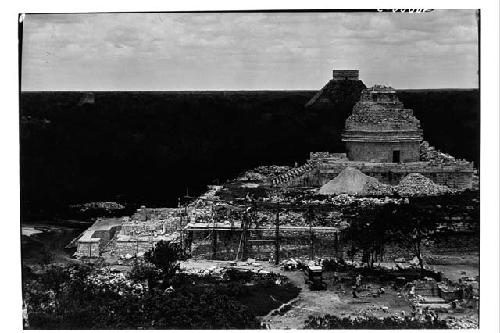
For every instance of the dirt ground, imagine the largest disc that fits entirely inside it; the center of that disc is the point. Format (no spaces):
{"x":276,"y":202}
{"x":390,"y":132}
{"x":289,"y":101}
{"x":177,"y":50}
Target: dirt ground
{"x":337,"y":299}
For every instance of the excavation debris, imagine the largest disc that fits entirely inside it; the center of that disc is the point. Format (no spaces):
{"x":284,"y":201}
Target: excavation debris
{"x":353,"y":181}
{"x":374,"y":187}
{"x":416,"y":184}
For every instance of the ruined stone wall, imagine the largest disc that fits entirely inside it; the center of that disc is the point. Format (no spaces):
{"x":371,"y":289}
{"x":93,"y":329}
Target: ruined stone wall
{"x":458,"y":180}
{"x":375,"y":117}
{"x":88,"y":249}
{"x":382,"y":151}
{"x":262,"y":246}
{"x":123,"y":247}
{"x":105,"y":235}
{"x":92,"y":247}
{"x":295,"y":244}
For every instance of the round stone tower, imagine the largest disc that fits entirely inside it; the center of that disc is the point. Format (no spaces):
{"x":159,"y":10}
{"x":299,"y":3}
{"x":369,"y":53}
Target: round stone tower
{"x":381,"y":130}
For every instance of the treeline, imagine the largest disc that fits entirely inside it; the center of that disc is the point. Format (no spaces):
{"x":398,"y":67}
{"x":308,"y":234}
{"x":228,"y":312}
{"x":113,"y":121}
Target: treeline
{"x":152,"y":147}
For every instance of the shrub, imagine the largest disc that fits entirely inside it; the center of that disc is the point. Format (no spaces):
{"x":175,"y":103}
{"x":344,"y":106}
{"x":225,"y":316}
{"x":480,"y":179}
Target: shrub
{"x":165,"y":256}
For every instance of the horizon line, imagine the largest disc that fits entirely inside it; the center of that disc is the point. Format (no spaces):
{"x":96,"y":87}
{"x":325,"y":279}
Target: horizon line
{"x":237,"y":90}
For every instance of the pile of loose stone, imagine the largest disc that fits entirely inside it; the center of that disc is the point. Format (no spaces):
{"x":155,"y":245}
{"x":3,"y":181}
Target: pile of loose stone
{"x":374,"y":187}
{"x":415,"y":184}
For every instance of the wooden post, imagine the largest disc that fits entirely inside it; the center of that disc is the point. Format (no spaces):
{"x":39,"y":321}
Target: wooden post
{"x":244,"y":255}
{"x":336,"y":244}
{"x":277,"y":250}
{"x":214,"y":244}
{"x":181,"y":233}
{"x":311,"y":235}
{"x":189,"y":240}
{"x":214,"y":235}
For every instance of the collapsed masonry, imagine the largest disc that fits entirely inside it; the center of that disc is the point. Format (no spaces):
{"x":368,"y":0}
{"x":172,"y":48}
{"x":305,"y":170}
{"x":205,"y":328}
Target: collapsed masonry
{"x":134,"y":235}
{"x":129,"y":236}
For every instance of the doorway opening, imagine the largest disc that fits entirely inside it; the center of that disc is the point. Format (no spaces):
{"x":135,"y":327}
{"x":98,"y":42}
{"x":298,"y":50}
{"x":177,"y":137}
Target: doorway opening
{"x":396,"y":156}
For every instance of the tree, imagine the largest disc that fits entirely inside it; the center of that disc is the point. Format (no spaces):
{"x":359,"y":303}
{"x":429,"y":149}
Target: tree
{"x":369,"y":232}
{"x":101,"y":300}
{"x":145,"y":271}
{"x":165,"y":256}
{"x":416,"y":224}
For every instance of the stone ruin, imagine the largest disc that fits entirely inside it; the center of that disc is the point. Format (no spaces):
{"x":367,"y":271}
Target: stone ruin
{"x":383,"y":140}
{"x":380,"y":129}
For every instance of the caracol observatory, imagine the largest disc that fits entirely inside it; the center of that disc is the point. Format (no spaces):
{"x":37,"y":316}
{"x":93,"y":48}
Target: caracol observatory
{"x":380,"y":129}
{"x":382,"y":139}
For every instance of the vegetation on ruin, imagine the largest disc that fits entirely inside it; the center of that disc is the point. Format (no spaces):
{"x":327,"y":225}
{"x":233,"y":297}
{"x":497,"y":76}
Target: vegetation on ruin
{"x":82,"y":297}
{"x":408,"y":226}
{"x":164,"y":256}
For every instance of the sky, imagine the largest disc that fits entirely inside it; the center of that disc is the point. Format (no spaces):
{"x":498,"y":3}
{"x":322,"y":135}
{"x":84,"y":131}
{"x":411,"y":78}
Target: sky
{"x":247,"y":51}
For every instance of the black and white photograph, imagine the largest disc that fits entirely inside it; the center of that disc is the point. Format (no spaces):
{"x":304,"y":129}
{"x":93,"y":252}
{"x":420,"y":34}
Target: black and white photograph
{"x":253,"y":169}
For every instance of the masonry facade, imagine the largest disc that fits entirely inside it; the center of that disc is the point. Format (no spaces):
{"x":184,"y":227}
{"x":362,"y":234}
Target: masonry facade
{"x":381,"y":130}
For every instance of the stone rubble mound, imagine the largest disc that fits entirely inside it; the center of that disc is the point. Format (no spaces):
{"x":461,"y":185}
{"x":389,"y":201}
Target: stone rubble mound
{"x":374,"y":187}
{"x":416,"y":184}
{"x":353,"y":181}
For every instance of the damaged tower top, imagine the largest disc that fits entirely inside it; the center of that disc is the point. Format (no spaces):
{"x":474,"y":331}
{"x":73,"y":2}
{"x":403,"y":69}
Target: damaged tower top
{"x":380,"y":129}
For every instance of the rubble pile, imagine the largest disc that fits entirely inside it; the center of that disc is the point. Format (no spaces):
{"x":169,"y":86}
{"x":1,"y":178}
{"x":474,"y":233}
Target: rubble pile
{"x":335,"y":199}
{"x":264,"y":172}
{"x":253,"y":176}
{"x":296,"y":219}
{"x":415,"y":184}
{"x":115,"y":282}
{"x":349,"y":181}
{"x":342,"y":199}
{"x":106,"y":205}
{"x":374,"y":187}
{"x":353,"y":181}
{"x":249,"y":269}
